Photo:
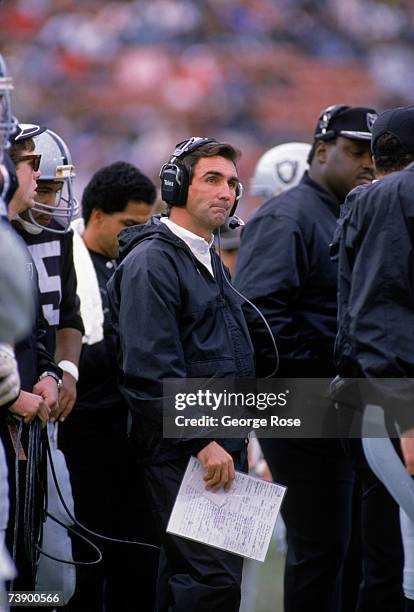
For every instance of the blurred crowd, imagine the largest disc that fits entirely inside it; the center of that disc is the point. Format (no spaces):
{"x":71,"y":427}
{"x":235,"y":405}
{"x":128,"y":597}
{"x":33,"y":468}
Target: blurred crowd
{"x":128,"y":79}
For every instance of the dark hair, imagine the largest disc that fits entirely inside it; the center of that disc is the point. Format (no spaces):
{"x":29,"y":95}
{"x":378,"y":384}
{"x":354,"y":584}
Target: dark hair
{"x":210,"y":150}
{"x":112,"y":187}
{"x":388,"y":154}
{"x":17,"y":149}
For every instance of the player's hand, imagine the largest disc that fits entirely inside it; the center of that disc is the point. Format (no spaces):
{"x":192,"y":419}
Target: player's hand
{"x":407,"y":447}
{"x":48,"y":389}
{"x":29,"y":406}
{"x":218,"y":466}
{"x":9,"y":374}
{"x":67,"y":398}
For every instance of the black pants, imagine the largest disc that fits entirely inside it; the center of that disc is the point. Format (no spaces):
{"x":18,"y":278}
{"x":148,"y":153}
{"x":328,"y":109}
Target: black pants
{"x":109,"y":497}
{"x":382,"y":551}
{"x":192,"y":577}
{"x":317,"y":511}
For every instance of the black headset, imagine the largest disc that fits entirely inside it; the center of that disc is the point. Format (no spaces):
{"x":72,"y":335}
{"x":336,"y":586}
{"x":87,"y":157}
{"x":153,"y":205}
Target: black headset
{"x":325,"y":119}
{"x":175,"y":178}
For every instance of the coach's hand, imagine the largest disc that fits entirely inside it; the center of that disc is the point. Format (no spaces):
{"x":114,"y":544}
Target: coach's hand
{"x":218,"y":465}
{"x":29,"y":406}
{"x":48,"y":389}
{"x":407,"y":447}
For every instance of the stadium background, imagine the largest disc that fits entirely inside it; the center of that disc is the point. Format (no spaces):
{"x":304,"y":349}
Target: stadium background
{"x":129,"y":79}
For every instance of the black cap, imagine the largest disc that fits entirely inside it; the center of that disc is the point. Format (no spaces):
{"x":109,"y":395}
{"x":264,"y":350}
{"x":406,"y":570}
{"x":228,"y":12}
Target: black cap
{"x":354,"y":122}
{"x":23,"y":131}
{"x":399,"y":122}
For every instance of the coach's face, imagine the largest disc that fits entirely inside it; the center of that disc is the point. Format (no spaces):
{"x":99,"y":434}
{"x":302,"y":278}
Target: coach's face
{"x":346,"y":164}
{"x":211,"y":195}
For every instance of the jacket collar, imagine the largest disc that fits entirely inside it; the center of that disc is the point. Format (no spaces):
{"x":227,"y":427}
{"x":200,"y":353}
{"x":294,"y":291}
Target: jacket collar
{"x":323,"y":194}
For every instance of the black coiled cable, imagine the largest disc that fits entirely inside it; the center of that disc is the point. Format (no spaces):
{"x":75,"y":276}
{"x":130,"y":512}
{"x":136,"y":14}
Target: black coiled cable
{"x":35,"y":492}
{"x":35,"y":509}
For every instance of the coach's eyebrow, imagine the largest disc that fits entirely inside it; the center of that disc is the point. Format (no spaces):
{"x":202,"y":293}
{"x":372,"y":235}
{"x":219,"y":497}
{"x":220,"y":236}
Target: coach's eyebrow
{"x":216,"y":173}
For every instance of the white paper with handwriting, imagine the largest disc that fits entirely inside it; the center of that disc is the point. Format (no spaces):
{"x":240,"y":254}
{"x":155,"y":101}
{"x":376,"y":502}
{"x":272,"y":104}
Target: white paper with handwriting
{"x":240,"y":520}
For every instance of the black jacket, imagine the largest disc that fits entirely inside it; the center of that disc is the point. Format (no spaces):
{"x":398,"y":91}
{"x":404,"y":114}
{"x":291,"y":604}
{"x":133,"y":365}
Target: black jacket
{"x":375,"y":251}
{"x":174,"y":320}
{"x":284,"y":268}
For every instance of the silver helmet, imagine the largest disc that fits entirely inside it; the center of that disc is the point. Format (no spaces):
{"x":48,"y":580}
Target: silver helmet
{"x":279,"y":169}
{"x":7,"y":121}
{"x":55,"y":165}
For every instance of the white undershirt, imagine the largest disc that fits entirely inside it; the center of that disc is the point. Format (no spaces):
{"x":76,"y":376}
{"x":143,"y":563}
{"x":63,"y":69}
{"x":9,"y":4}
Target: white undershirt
{"x":198,"y":245}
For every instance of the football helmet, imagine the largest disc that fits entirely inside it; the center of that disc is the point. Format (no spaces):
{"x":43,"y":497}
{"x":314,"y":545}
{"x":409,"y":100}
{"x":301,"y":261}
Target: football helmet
{"x":7,"y":121}
{"x":56,"y":166}
{"x":279,"y":169}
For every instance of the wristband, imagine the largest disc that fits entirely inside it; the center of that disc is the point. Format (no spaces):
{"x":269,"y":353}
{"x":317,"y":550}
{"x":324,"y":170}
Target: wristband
{"x":70,"y":368}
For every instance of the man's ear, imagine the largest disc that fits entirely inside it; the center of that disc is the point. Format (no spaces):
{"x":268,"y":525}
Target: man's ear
{"x":321,"y":151}
{"x":96,"y":217}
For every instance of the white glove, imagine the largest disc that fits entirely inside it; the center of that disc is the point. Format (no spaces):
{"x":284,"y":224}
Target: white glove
{"x":9,"y":374}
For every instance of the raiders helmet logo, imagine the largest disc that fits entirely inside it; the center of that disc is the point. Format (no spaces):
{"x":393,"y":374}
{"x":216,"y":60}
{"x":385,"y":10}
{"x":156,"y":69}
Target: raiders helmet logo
{"x":371,"y":118}
{"x":286,"y":170}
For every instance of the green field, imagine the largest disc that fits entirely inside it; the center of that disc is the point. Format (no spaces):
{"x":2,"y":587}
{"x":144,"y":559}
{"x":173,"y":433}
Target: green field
{"x":263,"y":592}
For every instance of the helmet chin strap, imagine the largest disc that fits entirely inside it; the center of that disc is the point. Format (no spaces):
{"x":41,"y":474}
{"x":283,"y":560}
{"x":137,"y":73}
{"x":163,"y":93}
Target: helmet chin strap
{"x":31,"y":228}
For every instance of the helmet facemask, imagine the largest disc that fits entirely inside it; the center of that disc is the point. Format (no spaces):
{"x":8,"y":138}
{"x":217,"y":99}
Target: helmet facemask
{"x":66,"y":206}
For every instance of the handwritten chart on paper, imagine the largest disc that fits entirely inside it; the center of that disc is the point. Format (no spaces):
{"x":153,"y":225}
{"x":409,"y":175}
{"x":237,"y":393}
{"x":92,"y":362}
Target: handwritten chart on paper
{"x":239,"y":521}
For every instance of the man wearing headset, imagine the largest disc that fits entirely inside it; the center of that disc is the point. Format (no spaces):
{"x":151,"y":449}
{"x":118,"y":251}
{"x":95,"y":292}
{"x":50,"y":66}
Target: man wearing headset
{"x":177,"y":318}
{"x":285,"y":269}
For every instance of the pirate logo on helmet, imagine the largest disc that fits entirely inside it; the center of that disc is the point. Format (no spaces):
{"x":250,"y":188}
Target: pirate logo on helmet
{"x":286,"y":170}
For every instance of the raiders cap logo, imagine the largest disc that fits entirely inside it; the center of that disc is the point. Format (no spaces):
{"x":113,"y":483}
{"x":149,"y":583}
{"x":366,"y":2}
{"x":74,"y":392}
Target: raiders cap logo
{"x":286,"y":170}
{"x":371,"y":118}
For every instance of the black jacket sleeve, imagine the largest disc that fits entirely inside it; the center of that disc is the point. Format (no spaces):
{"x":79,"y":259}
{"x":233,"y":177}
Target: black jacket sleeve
{"x":145,"y":294}
{"x":379,"y":314}
{"x":272,"y":264}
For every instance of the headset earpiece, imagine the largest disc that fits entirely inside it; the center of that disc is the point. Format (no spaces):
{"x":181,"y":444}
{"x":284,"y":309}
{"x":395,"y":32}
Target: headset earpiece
{"x":174,"y":175}
{"x":174,"y":183}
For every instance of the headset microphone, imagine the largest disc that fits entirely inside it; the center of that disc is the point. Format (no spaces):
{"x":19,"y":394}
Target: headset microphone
{"x":235,"y":221}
